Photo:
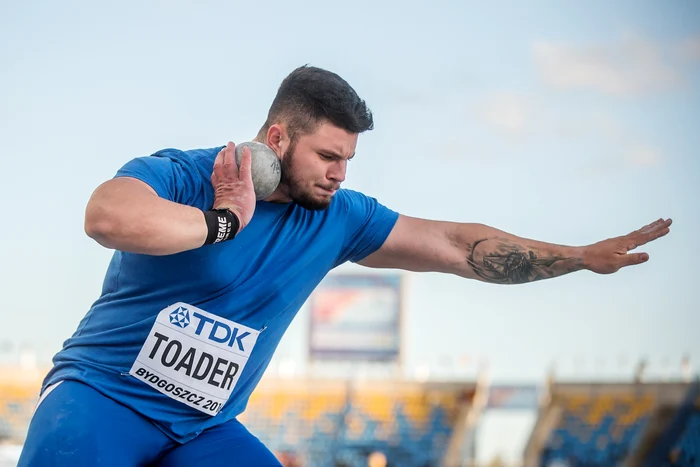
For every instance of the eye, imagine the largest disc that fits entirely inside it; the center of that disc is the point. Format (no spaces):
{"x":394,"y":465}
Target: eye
{"x":325,"y":158}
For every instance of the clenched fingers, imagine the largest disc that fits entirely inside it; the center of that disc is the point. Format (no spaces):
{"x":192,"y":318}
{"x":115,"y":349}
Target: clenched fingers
{"x":225,"y":164}
{"x":219,"y":159}
{"x":229,"y":165}
{"x":244,"y":171}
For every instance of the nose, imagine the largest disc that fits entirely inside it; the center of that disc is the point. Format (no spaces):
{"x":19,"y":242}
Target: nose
{"x":336,"y":171}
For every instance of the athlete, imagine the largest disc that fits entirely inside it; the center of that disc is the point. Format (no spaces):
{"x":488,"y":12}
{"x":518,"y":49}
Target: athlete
{"x":205,"y":280}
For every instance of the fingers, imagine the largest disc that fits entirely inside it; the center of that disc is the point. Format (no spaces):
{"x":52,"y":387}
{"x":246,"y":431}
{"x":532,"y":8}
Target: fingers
{"x":649,"y":233}
{"x":642,"y":229}
{"x":660,"y":224}
{"x":244,"y":171}
{"x":634,"y":258}
{"x":218,"y":166}
{"x":219,"y":159}
{"x":225,"y":164}
{"x":230,"y":159}
{"x":653,"y":235}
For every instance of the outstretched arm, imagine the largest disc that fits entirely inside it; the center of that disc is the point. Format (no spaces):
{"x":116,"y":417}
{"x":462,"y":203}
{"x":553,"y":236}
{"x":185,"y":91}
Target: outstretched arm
{"x":481,"y":252}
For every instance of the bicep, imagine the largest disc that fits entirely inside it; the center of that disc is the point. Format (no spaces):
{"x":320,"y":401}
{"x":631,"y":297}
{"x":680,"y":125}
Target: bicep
{"x":419,"y":245}
{"x":122,"y":190}
{"x":115,"y":197}
{"x":128,"y":215}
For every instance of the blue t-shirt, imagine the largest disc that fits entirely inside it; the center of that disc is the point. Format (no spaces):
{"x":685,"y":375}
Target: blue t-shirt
{"x":212,"y":317}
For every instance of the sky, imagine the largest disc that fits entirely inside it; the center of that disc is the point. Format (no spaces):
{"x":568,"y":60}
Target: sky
{"x":566,"y":122}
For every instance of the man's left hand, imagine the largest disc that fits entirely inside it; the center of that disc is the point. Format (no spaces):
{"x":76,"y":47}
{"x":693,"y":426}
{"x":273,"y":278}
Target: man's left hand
{"x":612,"y":254}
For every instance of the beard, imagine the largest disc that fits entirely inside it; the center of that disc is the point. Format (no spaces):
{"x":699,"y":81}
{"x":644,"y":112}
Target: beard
{"x":297,"y":186}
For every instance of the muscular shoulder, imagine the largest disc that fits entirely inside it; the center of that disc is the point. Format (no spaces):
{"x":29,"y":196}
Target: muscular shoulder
{"x":346,"y":201}
{"x":202,"y":155}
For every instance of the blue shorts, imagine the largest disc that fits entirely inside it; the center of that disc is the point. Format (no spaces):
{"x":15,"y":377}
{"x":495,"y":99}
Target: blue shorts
{"x":76,"y":425}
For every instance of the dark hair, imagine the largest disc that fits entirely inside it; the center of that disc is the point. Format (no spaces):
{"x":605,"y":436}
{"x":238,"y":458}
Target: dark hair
{"x":309,"y":96}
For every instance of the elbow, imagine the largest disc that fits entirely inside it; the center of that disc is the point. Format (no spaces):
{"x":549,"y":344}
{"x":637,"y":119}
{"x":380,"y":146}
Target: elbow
{"x":98,"y":231}
{"x":98,"y":225}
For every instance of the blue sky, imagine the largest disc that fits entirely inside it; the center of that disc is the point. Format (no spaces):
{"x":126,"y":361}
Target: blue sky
{"x":567,"y":122}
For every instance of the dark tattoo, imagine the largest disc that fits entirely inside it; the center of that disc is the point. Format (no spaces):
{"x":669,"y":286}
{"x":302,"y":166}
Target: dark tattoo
{"x":502,"y":262}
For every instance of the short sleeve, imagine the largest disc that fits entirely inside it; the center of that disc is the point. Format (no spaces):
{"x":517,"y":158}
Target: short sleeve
{"x":171,"y":173}
{"x":367,"y":225}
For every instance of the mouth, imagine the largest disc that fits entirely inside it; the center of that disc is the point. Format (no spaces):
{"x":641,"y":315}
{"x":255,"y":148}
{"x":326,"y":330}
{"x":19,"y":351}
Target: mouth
{"x":328,"y":191}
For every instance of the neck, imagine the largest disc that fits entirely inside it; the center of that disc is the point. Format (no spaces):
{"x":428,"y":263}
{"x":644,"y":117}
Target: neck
{"x":279,"y":196}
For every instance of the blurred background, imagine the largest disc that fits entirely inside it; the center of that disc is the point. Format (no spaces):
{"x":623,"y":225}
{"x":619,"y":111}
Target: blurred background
{"x":562,"y":121}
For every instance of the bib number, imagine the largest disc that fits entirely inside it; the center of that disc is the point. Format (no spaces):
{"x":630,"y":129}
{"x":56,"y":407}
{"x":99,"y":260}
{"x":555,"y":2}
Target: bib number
{"x":194,"y":357}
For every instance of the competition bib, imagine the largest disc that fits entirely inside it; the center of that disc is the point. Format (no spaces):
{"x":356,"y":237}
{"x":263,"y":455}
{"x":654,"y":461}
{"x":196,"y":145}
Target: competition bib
{"x":194,"y":357}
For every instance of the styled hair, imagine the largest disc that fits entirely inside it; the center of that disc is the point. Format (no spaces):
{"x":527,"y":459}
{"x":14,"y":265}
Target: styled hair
{"x":310,"y":96}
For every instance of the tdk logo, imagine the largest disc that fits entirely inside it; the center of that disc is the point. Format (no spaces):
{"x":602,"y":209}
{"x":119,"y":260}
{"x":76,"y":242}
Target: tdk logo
{"x":180,"y":317}
{"x":217,"y":331}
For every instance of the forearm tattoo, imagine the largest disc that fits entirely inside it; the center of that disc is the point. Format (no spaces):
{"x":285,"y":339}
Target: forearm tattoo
{"x":501,"y":261}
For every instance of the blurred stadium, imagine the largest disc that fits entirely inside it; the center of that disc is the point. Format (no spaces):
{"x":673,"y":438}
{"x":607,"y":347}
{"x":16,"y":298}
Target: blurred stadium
{"x":353,"y":408}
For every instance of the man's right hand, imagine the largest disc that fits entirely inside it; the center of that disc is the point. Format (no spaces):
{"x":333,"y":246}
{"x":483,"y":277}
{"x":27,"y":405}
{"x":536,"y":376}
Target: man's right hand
{"x":233,"y":186}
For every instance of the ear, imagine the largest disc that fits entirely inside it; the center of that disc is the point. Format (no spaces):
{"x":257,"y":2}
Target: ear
{"x":277,"y":139}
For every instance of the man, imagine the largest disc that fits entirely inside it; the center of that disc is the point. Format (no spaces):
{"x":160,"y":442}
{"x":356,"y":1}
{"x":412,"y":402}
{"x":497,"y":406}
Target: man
{"x":205,"y":280}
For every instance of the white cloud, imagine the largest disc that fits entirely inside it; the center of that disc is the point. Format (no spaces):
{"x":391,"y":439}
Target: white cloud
{"x":525,"y":118}
{"x":508,"y":112}
{"x":631,"y":66}
{"x":642,"y":155}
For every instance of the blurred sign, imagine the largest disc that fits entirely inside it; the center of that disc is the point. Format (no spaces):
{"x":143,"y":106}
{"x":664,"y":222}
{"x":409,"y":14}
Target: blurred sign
{"x":356,"y":317}
{"x":513,"y":397}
